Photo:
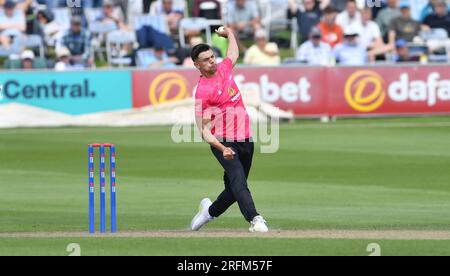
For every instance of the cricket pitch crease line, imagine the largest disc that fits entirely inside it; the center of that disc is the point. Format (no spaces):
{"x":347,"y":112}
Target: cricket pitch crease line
{"x":293,"y":234}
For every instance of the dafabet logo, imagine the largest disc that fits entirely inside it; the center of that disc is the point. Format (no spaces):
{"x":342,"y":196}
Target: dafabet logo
{"x":365,"y":91}
{"x":168,"y":87}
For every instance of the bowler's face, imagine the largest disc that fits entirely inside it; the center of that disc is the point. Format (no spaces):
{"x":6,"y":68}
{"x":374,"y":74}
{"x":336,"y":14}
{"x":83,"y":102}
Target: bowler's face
{"x":206,"y":62}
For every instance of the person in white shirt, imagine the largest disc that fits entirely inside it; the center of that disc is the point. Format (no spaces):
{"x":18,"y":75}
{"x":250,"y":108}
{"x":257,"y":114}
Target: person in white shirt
{"x":371,"y":38}
{"x":371,"y":35}
{"x":350,"y":17}
{"x":314,"y":51}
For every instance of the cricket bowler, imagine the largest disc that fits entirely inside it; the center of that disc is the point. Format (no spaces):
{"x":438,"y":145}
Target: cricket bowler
{"x":224,"y":124}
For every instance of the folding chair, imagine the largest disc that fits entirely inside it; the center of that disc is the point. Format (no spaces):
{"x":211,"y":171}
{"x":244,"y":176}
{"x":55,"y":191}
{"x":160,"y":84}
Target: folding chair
{"x":436,"y":33}
{"x":98,"y":31}
{"x":15,"y":49}
{"x":115,"y":41}
{"x":440,"y":38}
{"x":209,"y":10}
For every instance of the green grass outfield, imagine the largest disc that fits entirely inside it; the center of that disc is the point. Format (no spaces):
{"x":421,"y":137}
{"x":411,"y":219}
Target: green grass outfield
{"x":367,"y":174}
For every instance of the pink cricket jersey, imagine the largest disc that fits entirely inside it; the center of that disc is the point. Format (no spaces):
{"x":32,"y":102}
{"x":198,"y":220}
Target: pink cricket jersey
{"x":219,"y":98}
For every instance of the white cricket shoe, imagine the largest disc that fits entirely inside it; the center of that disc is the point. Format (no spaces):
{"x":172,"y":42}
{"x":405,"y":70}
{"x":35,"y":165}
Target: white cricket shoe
{"x":258,"y":224}
{"x":202,"y":216}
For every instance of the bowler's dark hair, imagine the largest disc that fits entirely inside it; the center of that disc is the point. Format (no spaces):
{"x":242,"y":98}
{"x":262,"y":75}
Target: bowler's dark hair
{"x":198,"y":49}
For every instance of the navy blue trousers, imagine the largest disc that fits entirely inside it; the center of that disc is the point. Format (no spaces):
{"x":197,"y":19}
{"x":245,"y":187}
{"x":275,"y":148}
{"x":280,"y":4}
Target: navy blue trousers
{"x":235,"y":180}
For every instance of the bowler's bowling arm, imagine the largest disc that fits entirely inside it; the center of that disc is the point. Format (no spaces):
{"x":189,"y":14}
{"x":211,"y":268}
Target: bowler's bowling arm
{"x":204,"y":128}
{"x":233,"y":49}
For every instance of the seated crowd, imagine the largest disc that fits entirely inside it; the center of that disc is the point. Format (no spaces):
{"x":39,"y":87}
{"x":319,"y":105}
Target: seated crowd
{"x":49,"y":34}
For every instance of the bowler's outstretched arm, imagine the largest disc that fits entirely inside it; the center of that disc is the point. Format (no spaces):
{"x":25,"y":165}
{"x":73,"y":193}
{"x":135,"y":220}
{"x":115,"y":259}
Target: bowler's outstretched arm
{"x":233,"y":49}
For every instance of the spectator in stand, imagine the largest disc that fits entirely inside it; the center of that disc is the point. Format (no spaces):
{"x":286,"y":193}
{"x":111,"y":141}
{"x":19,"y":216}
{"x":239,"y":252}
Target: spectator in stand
{"x":402,"y":52}
{"x":12,"y":23}
{"x":439,"y":19}
{"x":350,"y":17}
{"x":350,"y":52}
{"x":403,"y":27}
{"x":27,"y":59}
{"x":64,"y":62}
{"x":110,"y":15}
{"x":173,"y":13}
{"x":428,"y":9}
{"x":78,"y":42}
{"x":47,"y":28}
{"x":22,"y":5}
{"x":331,"y":32}
{"x":244,"y":20}
{"x":386,"y":15}
{"x":306,"y":19}
{"x":370,"y":37}
{"x":262,"y":52}
{"x":314,"y":51}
